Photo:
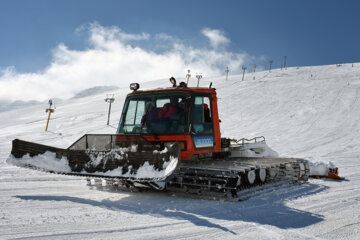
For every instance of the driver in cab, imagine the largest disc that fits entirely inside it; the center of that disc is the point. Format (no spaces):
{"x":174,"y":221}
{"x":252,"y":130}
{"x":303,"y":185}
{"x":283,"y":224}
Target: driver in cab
{"x":169,"y":108}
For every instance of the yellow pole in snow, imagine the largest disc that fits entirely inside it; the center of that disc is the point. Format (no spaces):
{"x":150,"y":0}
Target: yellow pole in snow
{"x":50,"y":110}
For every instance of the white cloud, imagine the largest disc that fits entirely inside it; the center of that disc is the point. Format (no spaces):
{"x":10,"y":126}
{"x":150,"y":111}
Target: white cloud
{"x":102,"y":37}
{"x":217,"y":38}
{"x":117,"y":58}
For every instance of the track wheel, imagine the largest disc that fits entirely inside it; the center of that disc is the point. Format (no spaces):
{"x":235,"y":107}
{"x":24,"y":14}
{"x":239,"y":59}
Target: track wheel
{"x":288,"y":167}
{"x":272,"y":172}
{"x":251,"y":176}
{"x":262,"y":174}
{"x":302,"y":169}
{"x":238,"y":182}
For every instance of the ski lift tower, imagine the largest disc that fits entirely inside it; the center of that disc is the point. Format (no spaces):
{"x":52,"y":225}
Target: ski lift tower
{"x":227,"y":72}
{"x":271,"y":62}
{"x":109,"y":99}
{"x":285,"y":57}
{"x":244,"y":69}
{"x":50,"y":110}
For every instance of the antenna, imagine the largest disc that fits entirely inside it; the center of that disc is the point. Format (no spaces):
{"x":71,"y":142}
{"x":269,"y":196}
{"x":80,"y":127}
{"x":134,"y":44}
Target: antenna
{"x":198,"y":76}
{"x":109,"y":99}
{"x":188,"y":76}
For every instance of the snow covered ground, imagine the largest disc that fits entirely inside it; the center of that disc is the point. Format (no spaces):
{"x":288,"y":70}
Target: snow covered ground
{"x":308,"y":112}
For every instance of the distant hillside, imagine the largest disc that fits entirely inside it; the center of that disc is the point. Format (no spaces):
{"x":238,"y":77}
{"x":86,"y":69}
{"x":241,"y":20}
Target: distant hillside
{"x":95,"y":90}
{"x":18,"y":104}
{"x":6,"y":106}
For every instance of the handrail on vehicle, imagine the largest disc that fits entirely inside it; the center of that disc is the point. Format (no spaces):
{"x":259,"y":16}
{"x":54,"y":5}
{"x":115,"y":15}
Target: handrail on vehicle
{"x":242,"y":141}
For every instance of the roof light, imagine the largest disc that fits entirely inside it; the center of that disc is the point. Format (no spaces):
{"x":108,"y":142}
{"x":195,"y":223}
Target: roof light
{"x":134,"y":86}
{"x":173,"y":81}
{"x":183,"y":84}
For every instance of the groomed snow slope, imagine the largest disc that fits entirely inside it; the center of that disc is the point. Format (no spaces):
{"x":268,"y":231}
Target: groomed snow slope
{"x":309,"y":112}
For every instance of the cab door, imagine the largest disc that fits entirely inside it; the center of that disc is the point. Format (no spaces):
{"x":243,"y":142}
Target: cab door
{"x":202,"y":127}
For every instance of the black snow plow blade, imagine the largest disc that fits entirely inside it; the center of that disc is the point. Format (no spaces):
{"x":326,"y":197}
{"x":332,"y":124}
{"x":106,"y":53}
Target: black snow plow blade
{"x":101,"y":156}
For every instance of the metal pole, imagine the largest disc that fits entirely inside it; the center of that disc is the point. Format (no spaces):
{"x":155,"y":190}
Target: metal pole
{"x":50,"y":110}
{"x":198,"y":76}
{"x":271,"y":61}
{"x":109,"y":114}
{"x":48,"y":120}
{"x":285,"y":62}
{"x":188,"y":77}
{"x":109,"y":100}
{"x":227,"y":72}
{"x":254,"y":71}
{"x":243,"y":68}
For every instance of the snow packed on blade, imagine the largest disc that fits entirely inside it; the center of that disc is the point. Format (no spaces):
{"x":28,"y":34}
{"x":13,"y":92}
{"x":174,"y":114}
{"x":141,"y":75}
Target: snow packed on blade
{"x":118,"y":162}
{"x":49,"y":163}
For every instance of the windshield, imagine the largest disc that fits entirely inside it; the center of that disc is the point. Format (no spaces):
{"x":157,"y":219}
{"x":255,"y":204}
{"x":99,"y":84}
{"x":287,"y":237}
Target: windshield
{"x":156,"y":113}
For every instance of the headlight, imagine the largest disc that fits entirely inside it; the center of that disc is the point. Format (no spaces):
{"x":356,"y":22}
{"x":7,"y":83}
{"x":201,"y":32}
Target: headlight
{"x":134,"y":86}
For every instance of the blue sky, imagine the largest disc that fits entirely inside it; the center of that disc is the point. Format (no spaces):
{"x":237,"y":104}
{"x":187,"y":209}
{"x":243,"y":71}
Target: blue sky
{"x":247,"y":32}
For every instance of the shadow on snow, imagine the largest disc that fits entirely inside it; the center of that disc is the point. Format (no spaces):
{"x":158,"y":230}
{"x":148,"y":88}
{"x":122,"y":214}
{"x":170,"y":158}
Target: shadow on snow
{"x":264,"y":207}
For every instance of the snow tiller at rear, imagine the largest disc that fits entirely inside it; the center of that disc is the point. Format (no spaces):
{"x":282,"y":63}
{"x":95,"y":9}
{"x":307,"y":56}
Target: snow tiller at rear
{"x":167,"y":139}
